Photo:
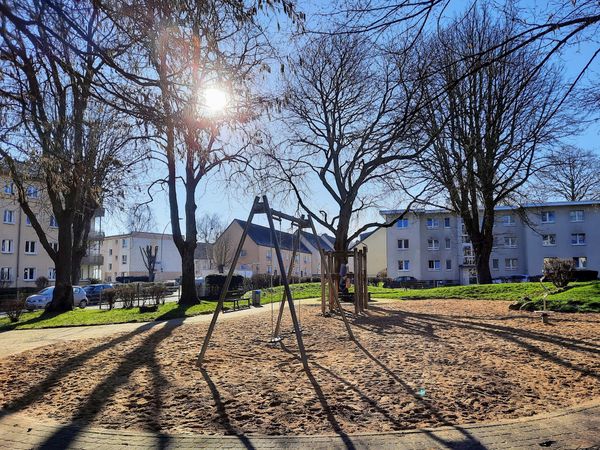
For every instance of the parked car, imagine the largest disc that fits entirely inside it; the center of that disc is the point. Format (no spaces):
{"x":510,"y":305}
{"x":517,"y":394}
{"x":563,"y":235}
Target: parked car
{"x":399,"y":282}
{"x":93,"y":292}
{"x":404,"y":279}
{"x":43,"y":298}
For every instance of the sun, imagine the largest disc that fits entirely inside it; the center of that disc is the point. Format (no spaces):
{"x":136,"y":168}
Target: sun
{"x":215,"y":100}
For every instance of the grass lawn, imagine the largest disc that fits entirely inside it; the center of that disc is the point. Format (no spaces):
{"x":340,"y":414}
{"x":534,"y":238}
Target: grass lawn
{"x":584,"y":297}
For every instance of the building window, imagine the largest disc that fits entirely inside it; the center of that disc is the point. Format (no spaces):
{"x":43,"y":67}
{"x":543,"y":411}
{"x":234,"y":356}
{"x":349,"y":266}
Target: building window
{"x":53,"y":222}
{"x":52,"y":274}
{"x":434,"y":264}
{"x":578,"y":238}
{"x":548,"y":240}
{"x":9,"y":188}
{"x":54,"y":246}
{"x":548,"y":217}
{"x":7,"y":246}
{"x":27,"y":221}
{"x":124,"y":259}
{"x":9,"y":216}
{"x":5,"y":273}
{"x":402,"y":223}
{"x":30,"y":247}
{"x":269,"y":254}
{"x":404,"y":265}
{"x":510,"y":263}
{"x":508,"y":219}
{"x":433,"y":223}
{"x":109,"y":266}
{"x":448,"y":243}
{"x":29,"y":273}
{"x":243,"y":253}
{"x":446,"y":222}
{"x":510,"y":241}
{"x":433,"y":244}
{"x":269,"y":269}
{"x":110,"y":252}
{"x":32,"y":192}
{"x":495,"y":264}
{"x":402,"y":244}
{"x":448,"y":264}
{"x":580,"y":262}
{"x":576,"y":216}
{"x":124,"y":244}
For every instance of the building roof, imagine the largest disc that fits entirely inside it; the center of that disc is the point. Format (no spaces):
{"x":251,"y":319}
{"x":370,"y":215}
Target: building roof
{"x":390,"y":212}
{"x":262,"y":236}
{"x":203,"y":250}
{"x":141,"y":234}
{"x":312,"y":239}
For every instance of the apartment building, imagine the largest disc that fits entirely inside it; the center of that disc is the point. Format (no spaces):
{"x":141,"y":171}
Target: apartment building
{"x":431,"y":245}
{"x":258,"y":252}
{"x":376,"y":244}
{"x":22,"y":257}
{"x":122,"y":256}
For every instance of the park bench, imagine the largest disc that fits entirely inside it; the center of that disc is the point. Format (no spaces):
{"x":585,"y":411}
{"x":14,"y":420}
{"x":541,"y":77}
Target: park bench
{"x":235,"y":297}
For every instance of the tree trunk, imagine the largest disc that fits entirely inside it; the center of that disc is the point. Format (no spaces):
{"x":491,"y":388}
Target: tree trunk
{"x":189,"y":296}
{"x":482,"y":250}
{"x":62,"y":298}
{"x":76,"y":267}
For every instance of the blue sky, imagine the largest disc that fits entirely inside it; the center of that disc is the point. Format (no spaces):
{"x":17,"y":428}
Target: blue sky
{"x":214,"y":197}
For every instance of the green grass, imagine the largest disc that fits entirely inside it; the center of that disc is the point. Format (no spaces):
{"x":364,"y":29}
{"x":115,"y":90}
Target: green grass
{"x":584,"y":297}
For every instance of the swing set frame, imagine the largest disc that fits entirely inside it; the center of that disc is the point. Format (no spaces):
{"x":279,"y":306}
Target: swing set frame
{"x":262,"y":207}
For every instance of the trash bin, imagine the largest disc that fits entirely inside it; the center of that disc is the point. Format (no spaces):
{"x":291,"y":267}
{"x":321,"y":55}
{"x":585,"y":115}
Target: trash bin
{"x":256,"y":298}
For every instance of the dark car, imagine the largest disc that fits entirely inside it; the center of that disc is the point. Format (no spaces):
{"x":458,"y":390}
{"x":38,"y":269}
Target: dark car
{"x":400,"y":282}
{"x":94,"y":292}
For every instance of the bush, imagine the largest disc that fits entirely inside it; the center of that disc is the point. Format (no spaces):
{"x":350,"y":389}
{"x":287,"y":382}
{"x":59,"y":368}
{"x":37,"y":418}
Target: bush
{"x":155,"y":292}
{"x":14,"y":308}
{"x":558,"y":271}
{"x":109,"y":296}
{"x":127,"y":293}
{"x":42,"y":282}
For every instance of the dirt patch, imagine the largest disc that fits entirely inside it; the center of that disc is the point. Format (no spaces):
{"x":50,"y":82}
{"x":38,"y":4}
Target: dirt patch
{"x":418,"y":363}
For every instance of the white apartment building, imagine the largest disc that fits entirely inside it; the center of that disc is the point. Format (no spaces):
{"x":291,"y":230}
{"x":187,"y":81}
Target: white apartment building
{"x":430,"y":245}
{"x":122,"y":257}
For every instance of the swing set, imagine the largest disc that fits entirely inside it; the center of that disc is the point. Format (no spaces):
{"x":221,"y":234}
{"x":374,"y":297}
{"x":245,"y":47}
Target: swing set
{"x":262,"y":207}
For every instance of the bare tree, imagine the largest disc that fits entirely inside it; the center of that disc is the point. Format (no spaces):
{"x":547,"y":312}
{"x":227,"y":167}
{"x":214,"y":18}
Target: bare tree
{"x":349,"y":111}
{"x":140,"y":219}
{"x":149,"y":254}
{"x":186,"y":59}
{"x":570,"y":174}
{"x":210,"y":227}
{"x":222,"y":252}
{"x":488,"y":117}
{"x":58,"y":133}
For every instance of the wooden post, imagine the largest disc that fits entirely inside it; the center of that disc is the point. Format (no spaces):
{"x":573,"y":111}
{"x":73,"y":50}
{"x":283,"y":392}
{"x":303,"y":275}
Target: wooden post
{"x":366,"y":281}
{"x":323,"y":282}
{"x":357,"y":289}
{"x":295,"y":247}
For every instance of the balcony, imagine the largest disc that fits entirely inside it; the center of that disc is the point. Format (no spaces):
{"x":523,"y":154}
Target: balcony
{"x":95,"y":235}
{"x":468,"y":261}
{"x":92,"y":260}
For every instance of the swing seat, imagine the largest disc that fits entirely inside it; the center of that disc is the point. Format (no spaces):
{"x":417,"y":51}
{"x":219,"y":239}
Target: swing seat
{"x":235,"y":297}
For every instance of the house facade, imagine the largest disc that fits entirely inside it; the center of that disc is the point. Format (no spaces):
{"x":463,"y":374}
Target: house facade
{"x":431,"y":245}
{"x":376,"y":245}
{"x":122,"y":256}
{"x":258,"y":252}
{"x":22,"y":257}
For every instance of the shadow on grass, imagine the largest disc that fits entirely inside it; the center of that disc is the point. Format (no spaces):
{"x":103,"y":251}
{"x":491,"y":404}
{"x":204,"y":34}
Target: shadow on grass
{"x":42,"y":317}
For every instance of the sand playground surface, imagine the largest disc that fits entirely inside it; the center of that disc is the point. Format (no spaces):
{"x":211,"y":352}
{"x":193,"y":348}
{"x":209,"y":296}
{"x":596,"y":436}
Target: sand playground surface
{"x":416,"y":364}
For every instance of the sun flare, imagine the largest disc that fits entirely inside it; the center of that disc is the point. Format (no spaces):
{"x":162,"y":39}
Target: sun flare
{"x":215,"y":100}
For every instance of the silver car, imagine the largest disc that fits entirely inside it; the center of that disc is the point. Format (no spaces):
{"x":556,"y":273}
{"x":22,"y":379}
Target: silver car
{"x":44,"y":297}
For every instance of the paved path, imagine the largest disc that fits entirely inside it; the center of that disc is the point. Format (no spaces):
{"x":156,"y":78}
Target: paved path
{"x":575,"y":428}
